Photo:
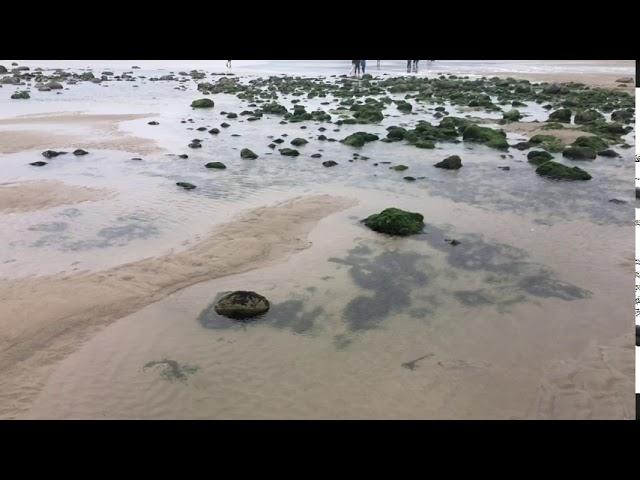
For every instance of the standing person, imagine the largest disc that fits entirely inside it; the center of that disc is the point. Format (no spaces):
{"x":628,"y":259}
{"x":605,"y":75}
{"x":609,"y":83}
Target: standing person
{"x":408,"y":66}
{"x":356,"y":67}
{"x":378,"y":64}
{"x":415,"y":66}
{"x":363,"y":65}
{"x":228,"y":63}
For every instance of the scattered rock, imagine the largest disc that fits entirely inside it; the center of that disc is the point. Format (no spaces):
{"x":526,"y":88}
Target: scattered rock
{"x":289,"y":152}
{"x":579,"y":153}
{"x":218,"y":165}
{"x":538,"y":157}
{"x":248,"y":154}
{"x":51,"y":153}
{"x":329,"y":163}
{"x":186,"y":185}
{"x":38,"y":164}
{"x":608,"y":153}
{"x":450,"y":163}
{"x":202,"y":103}
{"x":557,"y":171}
{"x":153,"y":122}
{"x":80,"y":151}
{"x":297,"y":142}
{"x":399,"y":168}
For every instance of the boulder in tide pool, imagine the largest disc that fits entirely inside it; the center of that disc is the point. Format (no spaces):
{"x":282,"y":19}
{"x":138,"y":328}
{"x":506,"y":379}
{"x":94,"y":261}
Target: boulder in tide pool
{"x":450,"y":163}
{"x":202,"y":103}
{"x":557,"y":171}
{"x":240,"y":305}
{"x":394,"y":221}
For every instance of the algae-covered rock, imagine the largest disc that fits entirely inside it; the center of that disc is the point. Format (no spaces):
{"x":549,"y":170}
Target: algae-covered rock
{"x":202,"y":103}
{"x":21,"y":96}
{"x":218,"y":165}
{"x":396,"y":133}
{"x":399,"y":168}
{"x":358,"y":139}
{"x":450,"y":163}
{"x":492,"y":138}
{"x":593,"y":142}
{"x":273,"y":108}
{"x":404,"y":107}
{"x":579,"y":153}
{"x":248,"y":154}
{"x":289,"y":152}
{"x":538,"y":157}
{"x":297,"y":142}
{"x":557,"y":171}
{"x":608,"y":153}
{"x":562,"y":115}
{"x":512,"y":115}
{"x":587,"y":116}
{"x":241,"y":305}
{"x":548,"y":142}
{"x":394,"y":221}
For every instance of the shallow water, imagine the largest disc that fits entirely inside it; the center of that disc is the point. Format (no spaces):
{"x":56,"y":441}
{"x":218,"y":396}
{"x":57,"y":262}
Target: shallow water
{"x":361,"y":325}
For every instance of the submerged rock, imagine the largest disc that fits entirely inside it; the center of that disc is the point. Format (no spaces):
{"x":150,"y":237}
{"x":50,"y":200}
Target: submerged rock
{"x":394,"y":221}
{"x":241,"y":304}
{"x":450,"y":163}
{"x":399,"y":168}
{"x":202,"y":103}
{"x":538,"y":157}
{"x":329,"y":163}
{"x":248,"y":154}
{"x":557,"y":171}
{"x":218,"y":165}
{"x":80,"y":151}
{"x":186,"y":185}
{"x":579,"y":153}
{"x":289,"y":152}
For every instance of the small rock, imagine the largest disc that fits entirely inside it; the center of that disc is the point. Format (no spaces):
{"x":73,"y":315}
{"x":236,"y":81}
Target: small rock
{"x":38,"y":164}
{"x":80,"y":151}
{"x":329,"y":163}
{"x":186,"y":185}
{"x":241,"y":305}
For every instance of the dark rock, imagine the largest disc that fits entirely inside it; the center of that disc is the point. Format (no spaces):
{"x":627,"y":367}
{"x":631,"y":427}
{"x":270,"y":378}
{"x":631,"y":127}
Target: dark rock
{"x":241,"y":305}
{"x":563,"y":116}
{"x":202,"y":103}
{"x":538,"y":157}
{"x":491,"y":138}
{"x":225,"y":125}
{"x":38,"y":164}
{"x":21,"y":96}
{"x":358,"y":139}
{"x":51,"y":153}
{"x":289,"y":152}
{"x":608,"y":153}
{"x":195,"y":145}
{"x":450,"y":163}
{"x":218,"y":165}
{"x":579,"y":153}
{"x":399,"y":168}
{"x":557,"y":171}
{"x":186,"y":185}
{"x":80,"y":151}
{"x":316,"y":155}
{"x":297,"y":142}
{"x":329,"y":163}
{"x":248,"y":154}
{"x":617,"y":201}
{"x":214,"y":131}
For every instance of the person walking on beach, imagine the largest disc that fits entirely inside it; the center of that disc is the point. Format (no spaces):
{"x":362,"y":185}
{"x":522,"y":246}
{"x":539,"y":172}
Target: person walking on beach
{"x":363,"y":65}
{"x":356,"y":67}
{"x":415,"y":66}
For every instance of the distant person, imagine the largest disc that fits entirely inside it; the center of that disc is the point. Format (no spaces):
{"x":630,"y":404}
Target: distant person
{"x":356,"y":67}
{"x":228,"y":63}
{"x":363,"y":66}
{"x":378,"y":64}
{"x":415,"y":66}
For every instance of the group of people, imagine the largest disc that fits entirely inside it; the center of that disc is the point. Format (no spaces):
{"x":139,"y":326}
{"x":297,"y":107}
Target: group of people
{"x":359,"y":66}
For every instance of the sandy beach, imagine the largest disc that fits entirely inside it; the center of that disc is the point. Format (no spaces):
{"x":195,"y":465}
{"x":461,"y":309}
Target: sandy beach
{"x":109,"y":269}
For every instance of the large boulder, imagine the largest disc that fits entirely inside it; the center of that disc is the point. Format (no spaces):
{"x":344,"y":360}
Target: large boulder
{"x":579,"y":153}
{"x":297,"y":142}
{"x":289,"y":152}
{"x":248,"y":154}
{"x":587,"y":116}
{"x":538,"y":157}
{"x":394,"y":221}
{"x":358,"y":139}
{"x":488,"y":136}
{"x":450,"y":163}
{"x":563,"y":116}
{"x":557,"y":171}
{"x":218,"y":165}
{"x":202,"y":103}
{"x":241,"y":305}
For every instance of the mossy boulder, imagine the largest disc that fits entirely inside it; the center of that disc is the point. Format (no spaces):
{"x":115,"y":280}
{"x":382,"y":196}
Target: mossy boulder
{"x":21,"y":96}
{"x":557,"y":171}
{"x":202,"y":103}
{"x":358,"y":139}
{"x":579,"y":153}
{"x":608,"y":153}
{"x":512,"y":115}
{"x":248,"y":154}
{"x":218,"y":165}
{"x":538,"y":157}
{"x":624,"y":116}
{"x":593,"y":142}
{"x":587,"y":116}
{"x":563,"y":116}
{"x":450,"y":163}
{"x":492,"y":138}
{"x":78,"y":152}
{"x":404,"y":107}
{"x":547,"y":142}
{"x":289,"y":152}
{"x":273,"y":108}
{"x":297,"y":142}
{"x":396,"y":134}
{"x":394,"y":221}
{"x":399,"y":168}
{"x":241,"y":305}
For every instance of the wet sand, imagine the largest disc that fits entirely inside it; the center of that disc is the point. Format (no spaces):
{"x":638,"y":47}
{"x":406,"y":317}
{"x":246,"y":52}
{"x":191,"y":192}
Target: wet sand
{"x":100,"y":131}
{"x":36,"y":195}
{"x":41,"y":323}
